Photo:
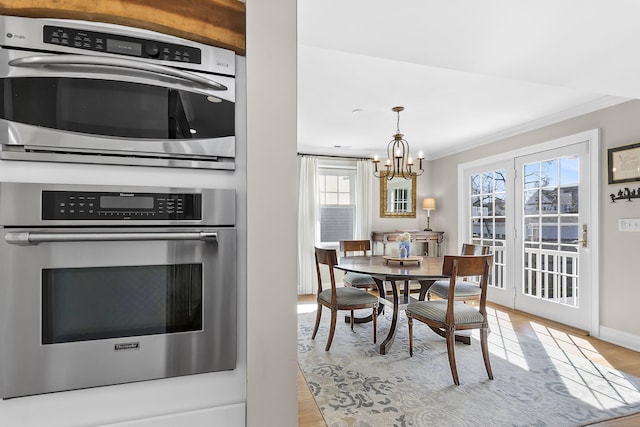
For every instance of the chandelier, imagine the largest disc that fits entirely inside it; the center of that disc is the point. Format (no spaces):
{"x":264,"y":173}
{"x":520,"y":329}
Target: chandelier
{"x":399,"y":162}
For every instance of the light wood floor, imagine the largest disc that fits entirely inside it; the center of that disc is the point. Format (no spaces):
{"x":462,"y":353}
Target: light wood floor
{"x":598,"y":351}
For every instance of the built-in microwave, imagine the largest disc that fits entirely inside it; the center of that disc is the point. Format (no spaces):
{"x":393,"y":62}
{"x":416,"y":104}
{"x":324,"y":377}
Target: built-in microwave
{"x":75,"y":91}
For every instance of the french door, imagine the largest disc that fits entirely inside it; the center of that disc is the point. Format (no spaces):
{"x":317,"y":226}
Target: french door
{"x":537,"y":209}
{"x":552,"y":202}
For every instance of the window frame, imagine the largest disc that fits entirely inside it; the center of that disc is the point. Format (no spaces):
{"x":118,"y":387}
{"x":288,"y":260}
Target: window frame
{"x":337,"y":168}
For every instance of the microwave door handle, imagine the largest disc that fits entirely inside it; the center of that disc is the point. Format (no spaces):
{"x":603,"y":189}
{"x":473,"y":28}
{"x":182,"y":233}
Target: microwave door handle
{"x":42,"y":61}
{"x":34,"y":238}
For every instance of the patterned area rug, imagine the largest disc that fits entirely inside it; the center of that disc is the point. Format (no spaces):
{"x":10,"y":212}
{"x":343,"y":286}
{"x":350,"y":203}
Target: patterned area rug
{"x":536,"y":383}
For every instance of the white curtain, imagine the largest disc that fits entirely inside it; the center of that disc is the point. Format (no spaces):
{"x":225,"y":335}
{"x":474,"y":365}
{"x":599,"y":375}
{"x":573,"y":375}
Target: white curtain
{"x":307,"y":218}
{"x":364,"y":210}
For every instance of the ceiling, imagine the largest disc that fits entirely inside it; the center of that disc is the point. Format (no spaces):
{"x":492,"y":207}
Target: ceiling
{"x":467,"y":72}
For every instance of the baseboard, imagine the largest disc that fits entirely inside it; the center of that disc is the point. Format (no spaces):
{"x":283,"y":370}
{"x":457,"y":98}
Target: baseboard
{"x":223,"y":416}
{"x":623,"y":339}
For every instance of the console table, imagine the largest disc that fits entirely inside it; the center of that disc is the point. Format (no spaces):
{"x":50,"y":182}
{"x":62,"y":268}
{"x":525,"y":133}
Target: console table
{"x":417,"y":236}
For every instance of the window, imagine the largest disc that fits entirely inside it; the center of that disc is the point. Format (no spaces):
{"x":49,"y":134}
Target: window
{"x":336,"y":186}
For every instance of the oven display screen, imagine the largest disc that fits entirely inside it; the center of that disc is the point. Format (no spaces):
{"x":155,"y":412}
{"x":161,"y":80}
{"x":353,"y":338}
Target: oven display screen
{"x":126,"y":202}
{"x":125,"y":47}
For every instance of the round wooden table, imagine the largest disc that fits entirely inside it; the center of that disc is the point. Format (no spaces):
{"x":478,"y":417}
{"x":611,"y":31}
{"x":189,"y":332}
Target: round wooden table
{"x":390,"y":270}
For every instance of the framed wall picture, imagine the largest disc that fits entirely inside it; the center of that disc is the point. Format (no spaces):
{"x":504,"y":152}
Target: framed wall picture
{"x":624,"y":163}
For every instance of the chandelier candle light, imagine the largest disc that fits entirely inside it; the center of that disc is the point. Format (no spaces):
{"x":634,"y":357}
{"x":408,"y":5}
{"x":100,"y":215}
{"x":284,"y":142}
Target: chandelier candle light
{"x":429,"y":204}
{"x":399,"y":162}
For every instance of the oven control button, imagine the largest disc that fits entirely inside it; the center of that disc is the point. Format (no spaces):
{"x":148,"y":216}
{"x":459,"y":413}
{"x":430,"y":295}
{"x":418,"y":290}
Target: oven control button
{"x":152,"y":50}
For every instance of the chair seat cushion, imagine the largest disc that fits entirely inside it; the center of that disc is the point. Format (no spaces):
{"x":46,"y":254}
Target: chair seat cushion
{"x":437,"y":310}
{"x":463,"y":289}
{"x":349,"y":296}
{"x":358,"y":280}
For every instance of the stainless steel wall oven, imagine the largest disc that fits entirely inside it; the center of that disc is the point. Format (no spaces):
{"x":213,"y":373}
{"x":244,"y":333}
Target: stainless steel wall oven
{"x":74,"y":91}
{"x":107,"y":285}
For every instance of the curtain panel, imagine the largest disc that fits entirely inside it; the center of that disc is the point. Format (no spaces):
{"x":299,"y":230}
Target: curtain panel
{"x":308,"y":216}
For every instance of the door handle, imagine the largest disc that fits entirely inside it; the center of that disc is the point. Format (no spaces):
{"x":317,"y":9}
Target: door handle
{"x":34,"y":238}
{"x":47,"y":60}
{"x":583,"y":236}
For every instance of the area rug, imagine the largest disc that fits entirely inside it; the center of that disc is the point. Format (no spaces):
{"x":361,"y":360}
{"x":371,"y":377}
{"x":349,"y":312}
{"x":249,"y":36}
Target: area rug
{"x":535,"y":384}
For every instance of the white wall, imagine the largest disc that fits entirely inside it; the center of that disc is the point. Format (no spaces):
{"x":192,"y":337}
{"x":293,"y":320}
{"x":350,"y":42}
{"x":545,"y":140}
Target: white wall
{"x":619,"y":290}
{"x":424,"y":188}
{"x":272,"y":213}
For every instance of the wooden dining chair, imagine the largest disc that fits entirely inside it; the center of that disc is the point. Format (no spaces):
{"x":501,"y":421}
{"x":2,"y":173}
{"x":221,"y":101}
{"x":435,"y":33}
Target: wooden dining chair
{"x":447,"y":316}
{"x":357,"y":247}
{"x":343,"y":298}
{"x":466,"y":288}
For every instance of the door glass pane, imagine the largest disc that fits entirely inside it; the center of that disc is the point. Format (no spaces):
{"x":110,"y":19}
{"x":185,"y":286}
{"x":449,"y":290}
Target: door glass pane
{"x":531,"y":202}
{"x":549,"y":233}
{"x":500,"y":181}
{"x":532,"y":230}
{"x":549,"y":173}
{"x":80,"y":304}
{"x":532,"y":175}
{"x":487,"y":228}
{"x":500,"y":204}
{"x":476,"y":210}
{"x":475,"y":184}
{"x":569,"y":199}
{"x":487,"y":182}
{"x":487,"y":204}
{"x":549,"y":201}
{"x":569,"y":174}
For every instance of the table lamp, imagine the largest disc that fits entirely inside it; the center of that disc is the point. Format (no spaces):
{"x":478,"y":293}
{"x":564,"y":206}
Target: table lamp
{"x":428,"y":204}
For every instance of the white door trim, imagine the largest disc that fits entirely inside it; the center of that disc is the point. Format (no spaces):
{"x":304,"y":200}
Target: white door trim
{"x":593,"y":138}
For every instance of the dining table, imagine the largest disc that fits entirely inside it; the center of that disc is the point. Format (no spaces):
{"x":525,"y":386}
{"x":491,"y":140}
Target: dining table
{"x":398,"y":272}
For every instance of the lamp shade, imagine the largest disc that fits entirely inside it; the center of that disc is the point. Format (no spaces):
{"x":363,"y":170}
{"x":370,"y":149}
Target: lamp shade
{"x":429,"y":203}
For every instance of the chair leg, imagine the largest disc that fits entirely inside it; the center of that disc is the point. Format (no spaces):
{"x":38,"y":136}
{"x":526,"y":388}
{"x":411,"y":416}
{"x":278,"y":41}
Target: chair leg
{"x":352,"y":320}
{"x":318,"y":316}
{"x":410,"y":323}
{"x":375,"y":323}
{"x":451,"y":351}
{"x":332,"y":329}
{"x":484,"y":344}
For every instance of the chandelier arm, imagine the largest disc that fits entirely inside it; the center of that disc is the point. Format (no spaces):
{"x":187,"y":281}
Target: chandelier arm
{"x":399,"y":162}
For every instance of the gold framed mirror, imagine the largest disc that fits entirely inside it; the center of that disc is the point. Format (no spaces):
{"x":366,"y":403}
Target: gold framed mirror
{"x":397,"y":197}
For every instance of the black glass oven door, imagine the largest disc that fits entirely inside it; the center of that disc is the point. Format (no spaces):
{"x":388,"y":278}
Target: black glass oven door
{"x":82,"y":304}
{"x":114,"y":108}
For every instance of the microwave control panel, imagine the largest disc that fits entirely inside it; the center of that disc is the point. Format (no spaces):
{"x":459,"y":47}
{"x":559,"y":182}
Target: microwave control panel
{"x":89,"y":205}
{"x":119,"y":44}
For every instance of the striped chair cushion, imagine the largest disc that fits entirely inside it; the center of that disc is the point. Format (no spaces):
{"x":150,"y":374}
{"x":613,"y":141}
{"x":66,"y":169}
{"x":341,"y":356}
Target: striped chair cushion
{"x":358,"y":280}
{"x":463,"y":289}
{"x":437,"y":310}
{"x":349,"y":296}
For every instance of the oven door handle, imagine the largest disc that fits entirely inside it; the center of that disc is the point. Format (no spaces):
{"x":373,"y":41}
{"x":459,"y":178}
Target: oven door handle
{"x":42,"y":61}
{"x":31,"y":238}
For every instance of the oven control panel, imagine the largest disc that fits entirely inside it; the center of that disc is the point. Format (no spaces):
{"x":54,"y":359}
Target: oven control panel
{"x":89,"y":205}
{"x":121,"y":45}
